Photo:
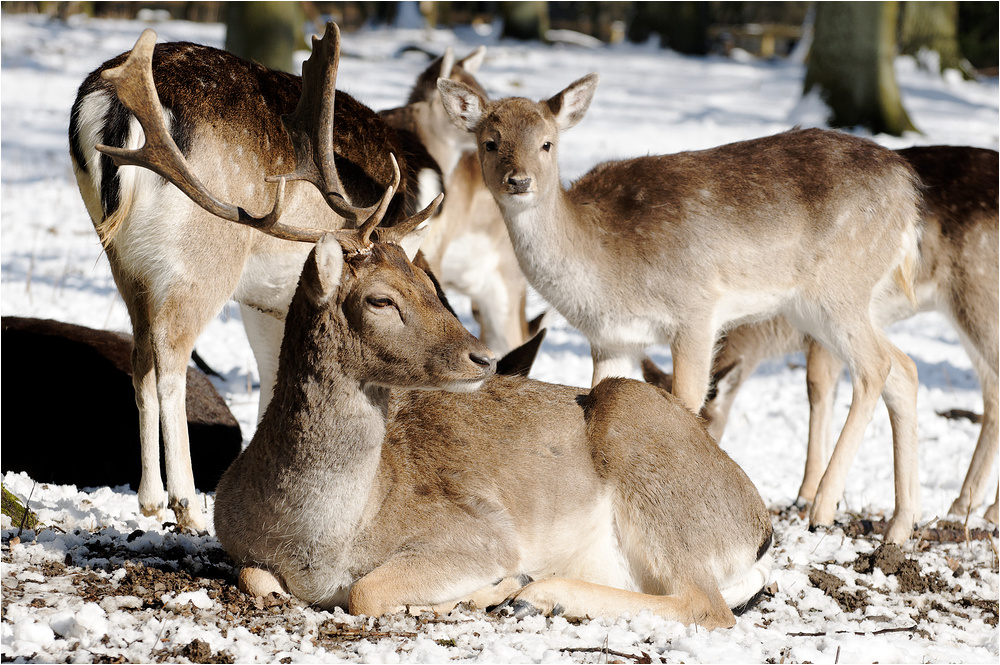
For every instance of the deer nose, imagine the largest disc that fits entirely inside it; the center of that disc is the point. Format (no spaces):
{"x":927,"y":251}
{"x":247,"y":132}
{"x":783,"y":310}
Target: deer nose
{"x":518,"y":184}
{"x":487,"y":360}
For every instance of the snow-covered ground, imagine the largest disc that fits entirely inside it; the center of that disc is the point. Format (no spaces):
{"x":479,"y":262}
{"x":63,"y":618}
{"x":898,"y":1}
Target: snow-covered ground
{"x":73,"y":591}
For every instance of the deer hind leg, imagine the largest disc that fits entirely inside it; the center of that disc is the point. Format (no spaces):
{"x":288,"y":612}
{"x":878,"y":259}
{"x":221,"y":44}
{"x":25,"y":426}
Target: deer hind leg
{"x":694,"y":603}
{"x":980,"y":469}
{"x":152,"y":496}
{"x":613,"y":362}
{"x":692,"y":351}
{"x":822,"y":373}
{"x":869,"y":364}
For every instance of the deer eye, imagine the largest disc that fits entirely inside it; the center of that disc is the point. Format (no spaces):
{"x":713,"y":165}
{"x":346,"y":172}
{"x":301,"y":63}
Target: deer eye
{"x":380,"y":301}
{"x":490,"y":145}
{"x":547,"y":146}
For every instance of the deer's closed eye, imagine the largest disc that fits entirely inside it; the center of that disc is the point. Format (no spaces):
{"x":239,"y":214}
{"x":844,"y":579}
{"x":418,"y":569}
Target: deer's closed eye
{"x":380,"y":301}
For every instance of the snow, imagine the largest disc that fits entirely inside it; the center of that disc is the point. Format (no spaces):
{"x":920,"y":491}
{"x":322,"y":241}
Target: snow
{"x":649,"y":101}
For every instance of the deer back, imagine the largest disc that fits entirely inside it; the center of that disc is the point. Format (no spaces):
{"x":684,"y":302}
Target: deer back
{"x":223,"y":106}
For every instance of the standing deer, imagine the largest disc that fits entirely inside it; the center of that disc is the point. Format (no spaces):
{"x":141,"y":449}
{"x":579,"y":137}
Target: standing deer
{"x":956,"y":275}
{"x":177,"y":264}
{"x":676,"y":248}
{"x":352,"y":493}
{"x":467,"y":246}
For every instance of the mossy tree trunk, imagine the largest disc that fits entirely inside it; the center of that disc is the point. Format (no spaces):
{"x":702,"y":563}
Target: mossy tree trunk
{"x":850,"y":65}
{"x":265,"y":32}
{"x":933,"y":26}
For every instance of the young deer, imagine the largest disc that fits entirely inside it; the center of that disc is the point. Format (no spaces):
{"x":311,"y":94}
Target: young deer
{"x":350,"y":494}
{"x":676,"y":248}
{"x":467,"y":246}
{"x":956,"y":275}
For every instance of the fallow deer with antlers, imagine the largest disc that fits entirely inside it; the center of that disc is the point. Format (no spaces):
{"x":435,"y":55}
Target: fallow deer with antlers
{"x":357,"y":493}
{"x":814,"y":225}
{"x":175,"y":263}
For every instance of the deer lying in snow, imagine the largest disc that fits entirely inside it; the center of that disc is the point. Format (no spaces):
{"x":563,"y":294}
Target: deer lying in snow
{"x":175,"y":264}
{"x":352,"y":494}
{"x":810,"y":224}
{"x":467,"y":246}
{"x":956,"y":275}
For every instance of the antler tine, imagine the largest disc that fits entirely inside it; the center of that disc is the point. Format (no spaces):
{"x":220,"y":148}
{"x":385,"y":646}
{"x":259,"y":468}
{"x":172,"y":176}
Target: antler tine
{"x":133,"y":83}
{"x":396,"y":233}
{"x":365,"y":230}
{"x":310,"y":126}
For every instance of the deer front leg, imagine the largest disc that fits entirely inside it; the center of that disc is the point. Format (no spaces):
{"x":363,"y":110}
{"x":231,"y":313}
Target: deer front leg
{"x":613,"y":362}
{"x":576,"y":599}
{"x":900,"y":396}
{"x":822,"y":372}
{"x":692,"y":353}
{"x":417,"y":583}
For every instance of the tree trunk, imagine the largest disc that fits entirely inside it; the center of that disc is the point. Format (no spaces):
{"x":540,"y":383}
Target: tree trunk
{"x":933,"y":26}
{"x":527,"y":21}
{"x":850,"y":66}
{"x":265,"y":32}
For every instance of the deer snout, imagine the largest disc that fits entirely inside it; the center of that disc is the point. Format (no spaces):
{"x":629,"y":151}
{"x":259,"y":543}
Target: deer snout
{"x":518,"y":183}
{"x":487,"y":360}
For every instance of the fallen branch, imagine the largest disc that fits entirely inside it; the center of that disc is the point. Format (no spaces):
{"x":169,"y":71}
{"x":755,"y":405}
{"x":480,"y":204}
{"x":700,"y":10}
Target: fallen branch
{"x":882,"y":631}
{"x":642,"y":658}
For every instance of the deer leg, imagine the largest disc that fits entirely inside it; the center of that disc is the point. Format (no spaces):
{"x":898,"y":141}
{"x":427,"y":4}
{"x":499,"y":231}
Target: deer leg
{"x":700,"y":604}
{"x":869,"y":364}
{"x":692,"y":351}
{"x":264,"y":332}
{"x":974,"y":488}
{"x":152,"y":496}
{"x":436,"y":583}
{"x":900,"y":396}
{"x":615,"y":362}
{"x":822,"y":372}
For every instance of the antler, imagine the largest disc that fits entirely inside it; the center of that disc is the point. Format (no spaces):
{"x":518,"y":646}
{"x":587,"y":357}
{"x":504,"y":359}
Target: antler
{"x":310,"y":126}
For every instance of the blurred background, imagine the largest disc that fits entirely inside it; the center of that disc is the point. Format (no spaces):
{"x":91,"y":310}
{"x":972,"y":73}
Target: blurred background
{"x":846,"y":45}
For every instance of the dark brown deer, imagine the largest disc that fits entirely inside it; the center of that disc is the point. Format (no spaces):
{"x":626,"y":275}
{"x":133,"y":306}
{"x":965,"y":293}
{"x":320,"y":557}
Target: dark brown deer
{"x":177,"y":264}
{"x":810,"y":224}
{"x":956,"y":275}
{"x":356,"y":493}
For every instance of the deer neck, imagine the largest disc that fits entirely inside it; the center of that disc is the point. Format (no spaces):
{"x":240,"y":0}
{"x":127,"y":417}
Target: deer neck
{"x":322,"y":435}
{"x":554,"y":247}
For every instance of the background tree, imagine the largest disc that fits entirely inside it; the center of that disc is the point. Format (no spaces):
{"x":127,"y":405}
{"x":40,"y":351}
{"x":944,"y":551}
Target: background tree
{"x":850,"y":65}
{"x":682,"y":26}
{"x":933,"y":26}
{"x":525,"y":20}
{"x":265,"y":32}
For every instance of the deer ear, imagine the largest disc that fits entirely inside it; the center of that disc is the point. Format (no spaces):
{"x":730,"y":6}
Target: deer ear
{"x":463,"y":104}
{"x":472,"y":62}
{"x":411,"y":241}
{"x":447,"y":63}
{"x":324,"y":268}
{"x":570,"y":105}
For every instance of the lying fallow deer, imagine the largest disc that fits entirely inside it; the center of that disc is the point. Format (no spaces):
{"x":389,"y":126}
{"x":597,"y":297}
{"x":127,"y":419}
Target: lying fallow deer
{"x":956,"y":275}
{"x":467,"y":246}
{"x":810,"y":224}
{"x":175,"y":264}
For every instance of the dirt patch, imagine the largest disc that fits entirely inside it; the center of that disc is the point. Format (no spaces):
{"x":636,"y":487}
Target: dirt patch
{"x":831,"y":585}
{"x":889,"y":558}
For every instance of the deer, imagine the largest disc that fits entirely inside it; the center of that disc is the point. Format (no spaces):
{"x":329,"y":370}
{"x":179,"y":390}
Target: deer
{"x":394,"y":470}
{"x":956,"y":276}
{"x":176,"y":264}
{"x":677,"y":248}
{"x":467,"y":246}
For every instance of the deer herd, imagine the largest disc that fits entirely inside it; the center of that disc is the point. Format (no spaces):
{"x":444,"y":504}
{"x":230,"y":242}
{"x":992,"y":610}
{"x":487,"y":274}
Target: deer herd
{"x":394,"y":467}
